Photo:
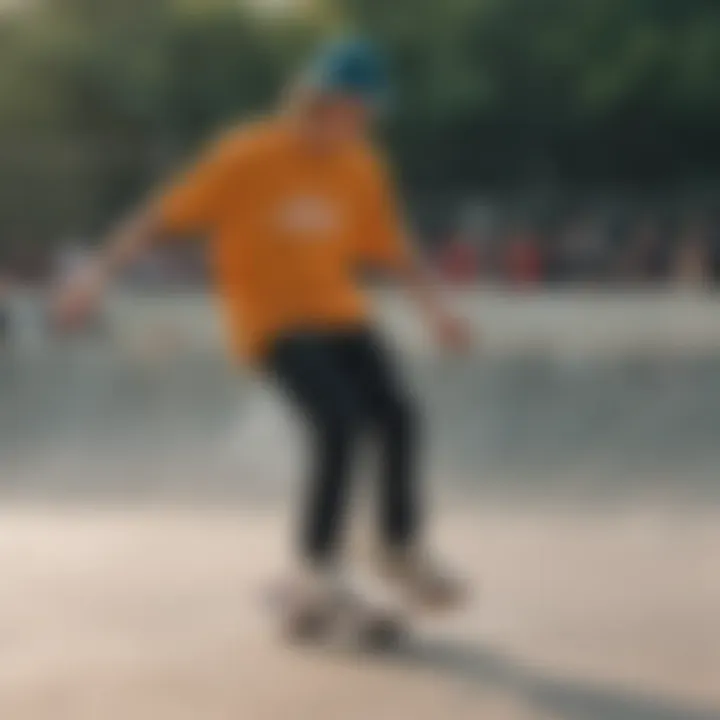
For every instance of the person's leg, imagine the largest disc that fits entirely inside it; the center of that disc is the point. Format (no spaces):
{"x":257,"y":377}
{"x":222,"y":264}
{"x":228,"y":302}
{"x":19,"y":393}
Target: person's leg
{"x":312,"y":370}
{"x":394,"y":422}
{"x":307,"y":368}
{"x":403,"y":555}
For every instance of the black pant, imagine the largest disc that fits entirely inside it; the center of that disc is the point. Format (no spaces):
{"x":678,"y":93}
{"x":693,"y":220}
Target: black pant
{"x":344,"y":385}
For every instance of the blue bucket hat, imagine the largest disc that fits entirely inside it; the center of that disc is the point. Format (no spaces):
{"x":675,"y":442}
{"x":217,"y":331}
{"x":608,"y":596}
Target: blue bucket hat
{"x":351,"y":67}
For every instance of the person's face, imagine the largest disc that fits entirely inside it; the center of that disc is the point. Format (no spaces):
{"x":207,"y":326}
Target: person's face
{"x":343,"y":120}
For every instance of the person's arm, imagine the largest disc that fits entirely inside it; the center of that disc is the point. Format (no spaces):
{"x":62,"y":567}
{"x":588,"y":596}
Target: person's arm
{"x":424,"y":288}
{"x":191,"y":205}
{"x":78,"y":298}
{"x":131,"y":238}
{"x":384,"y":242}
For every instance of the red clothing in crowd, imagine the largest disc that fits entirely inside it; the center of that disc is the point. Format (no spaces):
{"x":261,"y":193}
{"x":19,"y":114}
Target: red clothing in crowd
{"x":524,"y":261}
{"x":459,"y":261}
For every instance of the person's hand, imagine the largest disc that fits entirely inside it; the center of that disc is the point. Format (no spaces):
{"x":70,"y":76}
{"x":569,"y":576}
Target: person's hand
{"x":453,"y":333}
{"x":77,"y":301}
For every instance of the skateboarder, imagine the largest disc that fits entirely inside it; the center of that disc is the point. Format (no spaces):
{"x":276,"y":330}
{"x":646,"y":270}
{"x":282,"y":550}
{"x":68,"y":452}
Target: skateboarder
{"x":293,"y":205}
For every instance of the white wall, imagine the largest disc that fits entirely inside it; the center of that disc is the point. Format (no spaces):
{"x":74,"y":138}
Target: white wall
{"x":559,"y":323}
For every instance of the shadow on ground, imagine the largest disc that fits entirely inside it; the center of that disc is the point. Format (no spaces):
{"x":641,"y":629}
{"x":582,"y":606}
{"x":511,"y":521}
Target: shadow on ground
{"x":563,"y":698}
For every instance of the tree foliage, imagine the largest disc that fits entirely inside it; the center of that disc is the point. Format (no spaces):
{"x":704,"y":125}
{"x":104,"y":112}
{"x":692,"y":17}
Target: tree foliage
{"x":99,"y":99}
{"x":501,"y":91}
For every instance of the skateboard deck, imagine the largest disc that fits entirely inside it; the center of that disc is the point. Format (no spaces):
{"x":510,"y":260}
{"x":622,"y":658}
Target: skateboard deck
{"x":349,"y":619}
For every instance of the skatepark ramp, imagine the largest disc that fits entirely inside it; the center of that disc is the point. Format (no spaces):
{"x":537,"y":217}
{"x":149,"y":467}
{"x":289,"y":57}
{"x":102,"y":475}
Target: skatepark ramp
{"x":567,"y":396}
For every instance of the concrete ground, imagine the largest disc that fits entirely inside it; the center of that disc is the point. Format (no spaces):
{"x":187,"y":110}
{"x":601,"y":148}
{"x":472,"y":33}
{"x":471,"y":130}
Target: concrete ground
{"x":154,"y":614}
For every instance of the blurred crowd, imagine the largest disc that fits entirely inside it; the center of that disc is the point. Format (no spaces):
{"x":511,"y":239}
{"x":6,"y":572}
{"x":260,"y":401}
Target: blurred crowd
{"x":594,"y":248}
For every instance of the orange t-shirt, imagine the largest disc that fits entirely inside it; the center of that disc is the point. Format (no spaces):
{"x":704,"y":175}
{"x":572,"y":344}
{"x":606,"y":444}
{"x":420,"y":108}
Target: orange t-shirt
{"x":288,"y":228}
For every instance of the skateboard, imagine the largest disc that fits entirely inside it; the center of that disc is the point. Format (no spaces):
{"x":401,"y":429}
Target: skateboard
{"x":349,"y":620}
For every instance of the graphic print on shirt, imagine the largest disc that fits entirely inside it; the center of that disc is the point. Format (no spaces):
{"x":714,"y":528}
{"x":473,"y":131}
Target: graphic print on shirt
{"x":308,"y":217}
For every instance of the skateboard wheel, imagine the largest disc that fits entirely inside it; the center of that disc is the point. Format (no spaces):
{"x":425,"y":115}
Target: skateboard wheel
{"x":308,"y":626}
{"x":382,"y":634}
